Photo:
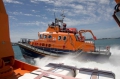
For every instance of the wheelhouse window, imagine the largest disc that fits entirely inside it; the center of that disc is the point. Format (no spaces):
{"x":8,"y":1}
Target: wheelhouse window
{"x":64,"y":38}
{"x":41,"y":36}
{"x":59,"y":37}
{"x":49,"y":36}
{"x":45,"y":36}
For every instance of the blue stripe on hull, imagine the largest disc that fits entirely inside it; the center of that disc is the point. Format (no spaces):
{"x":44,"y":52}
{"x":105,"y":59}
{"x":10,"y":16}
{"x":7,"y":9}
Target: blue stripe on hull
{"x":29,"y":52}
{"x":56,"y":51}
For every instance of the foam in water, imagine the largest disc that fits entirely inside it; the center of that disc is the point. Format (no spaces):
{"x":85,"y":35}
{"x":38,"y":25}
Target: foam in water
{"x":112,"y":64}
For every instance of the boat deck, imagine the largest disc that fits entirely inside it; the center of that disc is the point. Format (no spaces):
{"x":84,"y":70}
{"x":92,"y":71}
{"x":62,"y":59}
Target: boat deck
{"x":60,"y":71}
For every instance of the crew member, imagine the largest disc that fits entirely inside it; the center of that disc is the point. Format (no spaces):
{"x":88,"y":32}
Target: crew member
{"x":53,"y":24}
{"x":64,"y":26}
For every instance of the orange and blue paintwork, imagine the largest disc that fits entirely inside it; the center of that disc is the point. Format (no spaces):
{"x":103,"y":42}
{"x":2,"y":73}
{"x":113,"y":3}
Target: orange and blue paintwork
{"x":61,"y":40}
{"x":10,"y":68}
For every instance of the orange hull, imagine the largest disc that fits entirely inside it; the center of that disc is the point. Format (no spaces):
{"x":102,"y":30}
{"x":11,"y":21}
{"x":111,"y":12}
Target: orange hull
{"x":9,"y":67}
{"x":18,"y":69}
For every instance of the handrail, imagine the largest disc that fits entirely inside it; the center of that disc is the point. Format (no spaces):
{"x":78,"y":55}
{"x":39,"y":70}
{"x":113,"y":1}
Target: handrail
{"x":71,"y":40}
{"x":84,"y":31}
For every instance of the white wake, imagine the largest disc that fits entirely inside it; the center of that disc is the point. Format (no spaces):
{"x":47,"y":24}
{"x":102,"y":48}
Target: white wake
{"x":111,"y":64}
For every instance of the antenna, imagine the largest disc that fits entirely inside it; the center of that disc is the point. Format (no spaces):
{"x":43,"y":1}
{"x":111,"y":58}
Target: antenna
{"x":55,"y":18}
{"x":63,"y":15}
{"x":54,"y":15}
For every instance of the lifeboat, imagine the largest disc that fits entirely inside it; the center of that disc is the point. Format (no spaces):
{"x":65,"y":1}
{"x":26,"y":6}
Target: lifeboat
{"x":59,"y":40}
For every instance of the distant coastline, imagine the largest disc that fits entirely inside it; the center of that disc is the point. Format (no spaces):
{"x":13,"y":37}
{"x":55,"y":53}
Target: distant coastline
{"x":104,"y":38}
{"x":108,"y":38}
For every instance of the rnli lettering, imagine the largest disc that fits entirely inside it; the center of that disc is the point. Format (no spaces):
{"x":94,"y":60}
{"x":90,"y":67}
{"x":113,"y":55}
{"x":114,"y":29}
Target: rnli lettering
{"x":51,"y":41}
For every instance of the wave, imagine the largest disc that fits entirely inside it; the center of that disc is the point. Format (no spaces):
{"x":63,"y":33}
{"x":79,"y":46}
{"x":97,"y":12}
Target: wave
{"x":87,"y":61}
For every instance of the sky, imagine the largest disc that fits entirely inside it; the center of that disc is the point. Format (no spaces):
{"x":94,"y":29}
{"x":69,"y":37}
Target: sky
{"x":28,"y":17}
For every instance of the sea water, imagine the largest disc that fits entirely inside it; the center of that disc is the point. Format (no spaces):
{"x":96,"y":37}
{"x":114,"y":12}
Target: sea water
{"x":111,"y":64}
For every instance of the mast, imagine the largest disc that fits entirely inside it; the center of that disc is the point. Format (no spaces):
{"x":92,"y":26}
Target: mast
{"x":58,"y":20}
